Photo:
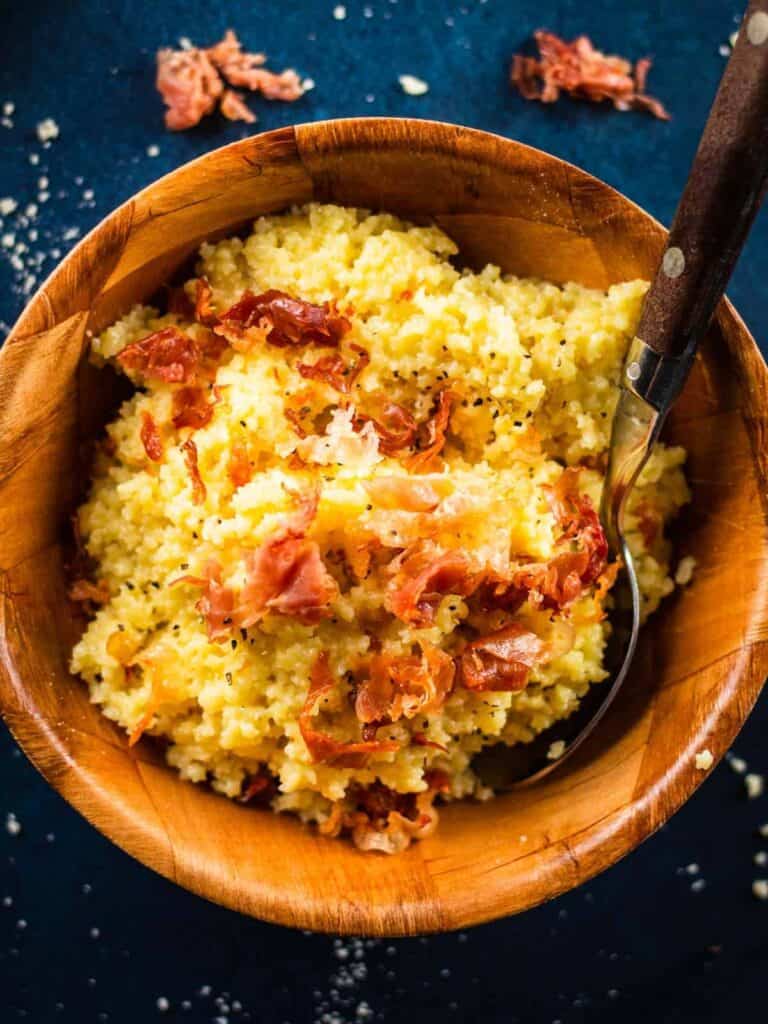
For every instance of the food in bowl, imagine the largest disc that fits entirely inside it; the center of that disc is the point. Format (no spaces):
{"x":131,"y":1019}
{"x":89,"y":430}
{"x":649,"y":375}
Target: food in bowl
{"x":343,"y":535}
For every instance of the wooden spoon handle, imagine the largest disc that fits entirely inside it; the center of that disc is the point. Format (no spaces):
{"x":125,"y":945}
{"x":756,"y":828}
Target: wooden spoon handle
{"x":720,"y":200}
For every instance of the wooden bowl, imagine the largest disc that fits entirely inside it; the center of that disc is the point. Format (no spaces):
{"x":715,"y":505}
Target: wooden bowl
{"x":703,"y":657}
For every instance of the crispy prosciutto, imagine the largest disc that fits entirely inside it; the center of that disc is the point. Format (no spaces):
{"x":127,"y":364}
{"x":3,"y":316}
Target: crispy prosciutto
{"x":581,"y":70}
{"x":191,"y":407}
{"x":334,"y":370}
{"x":395,"y":427}
{"x":282,"y":320}
{"x":149,"y":434}
{"x":204,"y":312}
{"x":411,"y":494}
{"x":323,"y":748}
{"x":167,"y":355}
{"x":378,"y":818}
{"x":189,"y":450}
{"x":239,"y":468}
{"x":581,"y":525}
{"x":502,"y":660}
{"x":405,"y":686}
{"x":435,"y":429}
{"x":287,"y":575}
{"x":423,"y":575}
{"x":217,"y":601}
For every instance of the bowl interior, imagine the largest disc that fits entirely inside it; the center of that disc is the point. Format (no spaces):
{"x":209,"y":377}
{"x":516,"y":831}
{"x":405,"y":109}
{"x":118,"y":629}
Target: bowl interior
{"x":702,"y":658}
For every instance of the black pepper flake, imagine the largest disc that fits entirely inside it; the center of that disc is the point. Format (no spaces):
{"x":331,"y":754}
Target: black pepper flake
{"x":368,"y":508}
{"x":228,"y":677}
{"x":129,"y":585}
{"x":495,"y":414}
{"x":99,"y":677}
{"x":491,"y":355}
{"x":121,"y":627}
{"x":477,"y":402}
{"x":562,"y":341}
{"x":184,"y":565}
{"x":155,"y":584}
{"x":518,"y":423}
{"x":233,"y":644}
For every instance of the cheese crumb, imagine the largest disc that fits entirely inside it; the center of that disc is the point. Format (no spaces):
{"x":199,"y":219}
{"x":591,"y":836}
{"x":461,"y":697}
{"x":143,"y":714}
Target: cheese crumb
{"x":704,"y":760}
{"x":307,"y":84}
{"x":556,"y":750}
{"x":684,"y":571}
{"x":153,"y":150}
{"x":339,"y":12}
{"x":738,"y":765}
{"x":47,"y":129}
{"x":692,"y":869}
{"x":754,"y":784}
{"x":162,"y":1004}
{"x":761,"y":858}
{"x":8,"y":108}
{"x":760,"y":889}
{"x":12,"y":824}
{"x":412,"y":86}
{"x":698,"y":885}
{"x":7,"y":206}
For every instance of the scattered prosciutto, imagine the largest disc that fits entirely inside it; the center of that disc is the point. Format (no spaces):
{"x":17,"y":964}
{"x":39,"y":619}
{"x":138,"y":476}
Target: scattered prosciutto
{"x":281,"y":320}
{"x":234,"y":109}
{"x":287,"y":575}
{"x":404,"y":686}
{"x":501,"y":661}
{"x":167,"y":355}
{"x":189,"y":450}
{"x":323,"y":748}
{"x":245,"y":70}
{"x":189,"y":84}
{"x":581,"y":70}
{"x":422,"y":576}
{"x":192,"y":82}
{"x":150,"y":437}
{"x":436,"y":427}
{"x":84,"y":590}
{"x":239,"y":468}
{"x":333,"y":369}
{"x":191,"y":407}
{"x":217,"y":600}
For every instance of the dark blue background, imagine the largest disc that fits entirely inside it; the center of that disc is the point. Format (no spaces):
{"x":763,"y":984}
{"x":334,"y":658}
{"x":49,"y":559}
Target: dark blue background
{"x":638,"y":944}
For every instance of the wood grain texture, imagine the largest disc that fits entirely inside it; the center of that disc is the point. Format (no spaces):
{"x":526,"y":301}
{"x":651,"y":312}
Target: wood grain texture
{"x":702,"y":660}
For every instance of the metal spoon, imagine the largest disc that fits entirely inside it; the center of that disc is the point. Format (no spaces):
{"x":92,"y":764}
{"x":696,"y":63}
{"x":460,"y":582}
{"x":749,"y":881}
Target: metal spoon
{"x":716,"y":210}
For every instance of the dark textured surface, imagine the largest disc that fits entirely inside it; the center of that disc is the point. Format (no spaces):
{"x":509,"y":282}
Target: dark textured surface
{"x":638,"y":944}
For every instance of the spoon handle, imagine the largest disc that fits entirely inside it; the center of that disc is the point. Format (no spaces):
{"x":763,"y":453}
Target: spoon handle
{"x":720,"y":200}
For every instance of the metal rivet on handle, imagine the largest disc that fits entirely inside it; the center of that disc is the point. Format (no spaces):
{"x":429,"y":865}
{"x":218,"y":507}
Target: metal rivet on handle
{"x":757,"y":28}
{"x":673,"y":263}
{"x":633,"y":371}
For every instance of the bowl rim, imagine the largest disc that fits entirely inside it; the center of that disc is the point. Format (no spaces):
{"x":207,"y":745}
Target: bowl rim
{"x":610,"y":840}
